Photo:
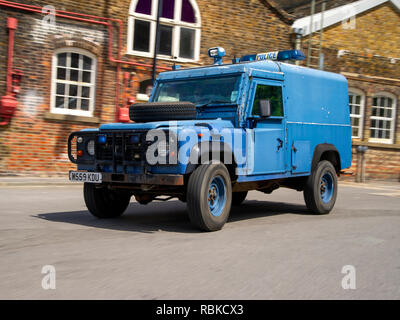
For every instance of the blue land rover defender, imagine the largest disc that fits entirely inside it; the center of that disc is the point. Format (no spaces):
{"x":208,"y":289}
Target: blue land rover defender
{"x":210,"y":134}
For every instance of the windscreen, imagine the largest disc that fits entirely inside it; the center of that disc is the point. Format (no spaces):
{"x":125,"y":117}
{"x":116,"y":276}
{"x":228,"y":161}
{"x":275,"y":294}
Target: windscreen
{"x":222,"y":90}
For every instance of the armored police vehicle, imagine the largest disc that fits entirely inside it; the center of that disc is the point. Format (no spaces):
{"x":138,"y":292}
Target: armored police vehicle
{"x":210,"y":134}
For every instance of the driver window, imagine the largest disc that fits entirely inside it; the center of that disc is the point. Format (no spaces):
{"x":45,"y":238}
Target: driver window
{"x":271,"y":93}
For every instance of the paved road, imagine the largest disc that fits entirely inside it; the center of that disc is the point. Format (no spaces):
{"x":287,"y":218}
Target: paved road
{"x":270,"y":249}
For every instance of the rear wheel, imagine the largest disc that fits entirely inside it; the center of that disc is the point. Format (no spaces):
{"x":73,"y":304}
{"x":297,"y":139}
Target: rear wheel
{"x":238,"y":198}
{"x":209,"y":196}
{"x":103,"y":202}
{"x":320,"y":191}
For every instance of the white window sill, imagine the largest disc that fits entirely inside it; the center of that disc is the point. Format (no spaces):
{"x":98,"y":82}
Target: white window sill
{"x":71,"y":118}
{"x":385,"y":141}
{"x":161,"y":57}
{"x":72,"y":112}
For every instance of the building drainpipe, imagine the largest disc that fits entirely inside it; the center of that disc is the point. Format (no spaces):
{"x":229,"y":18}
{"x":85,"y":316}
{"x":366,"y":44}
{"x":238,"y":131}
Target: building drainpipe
{"x":107,"y":22}
{"x":360,"y":173}
{"x":159,"y":13}
{"x":8,"y":103}
{"x":298,"y":33}
{"x":12,"y":26}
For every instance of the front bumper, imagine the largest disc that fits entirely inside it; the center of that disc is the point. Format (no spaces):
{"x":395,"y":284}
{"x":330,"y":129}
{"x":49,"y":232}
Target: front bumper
{"x":152,"y":179}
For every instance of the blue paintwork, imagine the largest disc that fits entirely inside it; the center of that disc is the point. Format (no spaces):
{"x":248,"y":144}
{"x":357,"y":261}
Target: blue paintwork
{"x":217,"y":196}
{"x":315,"y":107}
{"x":327,"y":187}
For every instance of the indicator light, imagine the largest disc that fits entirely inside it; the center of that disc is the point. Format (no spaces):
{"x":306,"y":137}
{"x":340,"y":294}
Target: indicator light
{"x":102,"y":139}
{"x":135,"y":138}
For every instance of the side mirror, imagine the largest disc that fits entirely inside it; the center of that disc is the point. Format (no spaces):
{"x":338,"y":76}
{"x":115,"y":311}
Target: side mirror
{"x":265,"y":108}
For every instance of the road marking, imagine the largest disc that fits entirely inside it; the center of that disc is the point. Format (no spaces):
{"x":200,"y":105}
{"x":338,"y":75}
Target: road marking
{"x":367,"y":186}
{"x":392,"y":194}
{"x":17,"y":186}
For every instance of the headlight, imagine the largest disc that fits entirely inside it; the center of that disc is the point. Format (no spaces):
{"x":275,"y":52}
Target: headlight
{"x":90,"y":147}
{"x":162,"y":148}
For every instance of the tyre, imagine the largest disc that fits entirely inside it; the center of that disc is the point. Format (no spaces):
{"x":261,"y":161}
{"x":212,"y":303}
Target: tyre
{"x":238,"y":198}
{"x":209,"y":196}
{"x":162,"y":111}
{"x":320,"y":191}
{"x":105,"y":203}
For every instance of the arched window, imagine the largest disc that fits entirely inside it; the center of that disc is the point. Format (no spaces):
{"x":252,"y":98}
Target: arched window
{"x":179,"y":31}
{"x":383,"y":118}
{"x":356,"y":104}
{"x":73,"y":82}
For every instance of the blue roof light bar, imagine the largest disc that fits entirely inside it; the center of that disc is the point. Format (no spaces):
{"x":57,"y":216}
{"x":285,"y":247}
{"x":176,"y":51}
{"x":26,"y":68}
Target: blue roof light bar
{"x":275,"y":55}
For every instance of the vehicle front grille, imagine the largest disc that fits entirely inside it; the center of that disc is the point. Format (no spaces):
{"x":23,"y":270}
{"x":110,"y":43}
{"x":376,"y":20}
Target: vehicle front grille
{"x":121,"y":148}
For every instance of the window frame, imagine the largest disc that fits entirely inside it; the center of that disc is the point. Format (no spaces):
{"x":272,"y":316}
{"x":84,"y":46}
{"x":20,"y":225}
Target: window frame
{"x":176,"y":25}
{"x":236,"y":76}
{"x":252,"y":96}
{"x":358,"y":92}
{"x":92,"y":84}
{"x":392,"y":119}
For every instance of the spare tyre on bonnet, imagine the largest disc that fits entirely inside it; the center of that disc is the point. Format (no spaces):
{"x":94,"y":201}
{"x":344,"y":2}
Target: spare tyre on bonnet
{"x":162,"y":111}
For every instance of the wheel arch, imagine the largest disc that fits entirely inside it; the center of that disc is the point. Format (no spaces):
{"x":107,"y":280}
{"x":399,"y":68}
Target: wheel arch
{"x":326,"y":151}
{"x":221,"y":149}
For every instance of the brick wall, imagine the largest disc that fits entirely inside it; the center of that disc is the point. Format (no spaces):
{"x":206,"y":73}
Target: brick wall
{"x":380,"y":163}
{"x":32,"y":143}
{"x":377,"y":32}
{"x":35,"y":142}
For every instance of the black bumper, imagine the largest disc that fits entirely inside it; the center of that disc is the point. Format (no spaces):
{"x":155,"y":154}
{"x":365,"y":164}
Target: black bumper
{"x":151,"y":179}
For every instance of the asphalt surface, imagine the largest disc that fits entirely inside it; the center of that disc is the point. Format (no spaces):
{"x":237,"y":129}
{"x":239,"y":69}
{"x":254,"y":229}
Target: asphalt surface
{"x":271,"y":248}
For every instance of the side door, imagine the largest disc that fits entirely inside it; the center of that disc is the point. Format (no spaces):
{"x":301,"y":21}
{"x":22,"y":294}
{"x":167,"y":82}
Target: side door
{"x":269,"y":147}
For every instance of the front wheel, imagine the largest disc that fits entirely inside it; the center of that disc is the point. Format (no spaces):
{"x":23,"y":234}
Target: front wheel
{"x":103,"y":202}
{"x":320,"y":191}
{"x":209,"y":196}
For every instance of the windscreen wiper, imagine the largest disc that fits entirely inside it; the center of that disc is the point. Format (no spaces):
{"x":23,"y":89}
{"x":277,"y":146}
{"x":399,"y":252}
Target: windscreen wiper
{"x":201,"y":107}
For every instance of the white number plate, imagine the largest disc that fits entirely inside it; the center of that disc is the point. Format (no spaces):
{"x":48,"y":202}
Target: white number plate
{"x":79,"y":176}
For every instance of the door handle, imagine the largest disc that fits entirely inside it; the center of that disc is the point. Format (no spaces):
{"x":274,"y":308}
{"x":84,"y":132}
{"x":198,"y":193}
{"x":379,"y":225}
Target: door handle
{"x":280,"y":145}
